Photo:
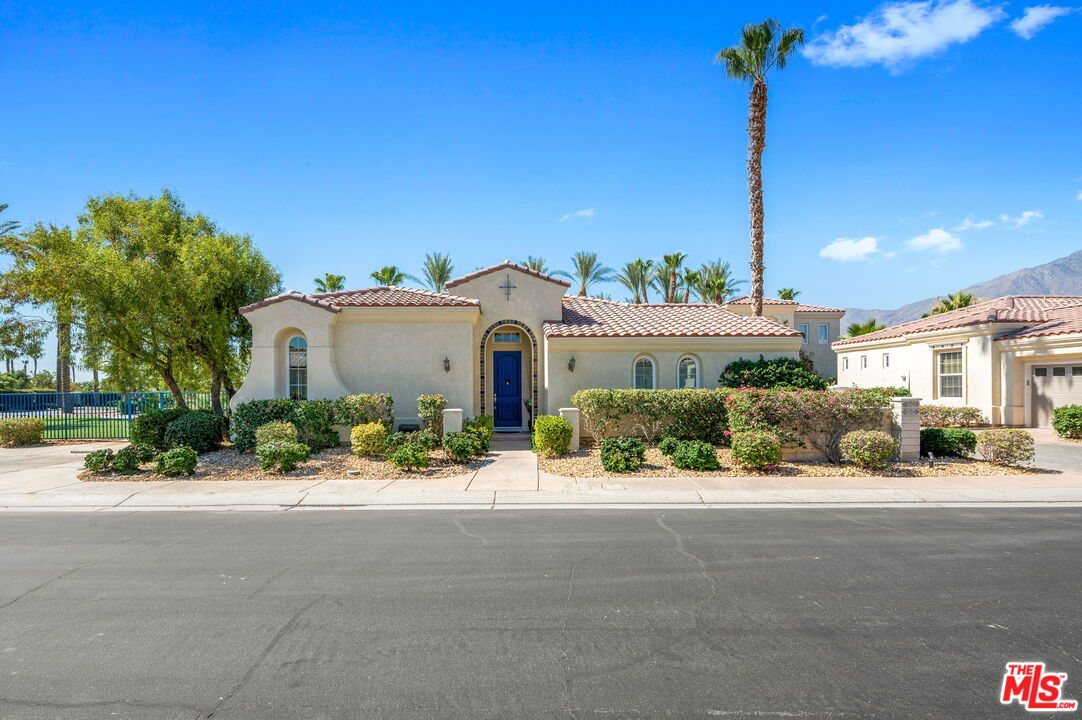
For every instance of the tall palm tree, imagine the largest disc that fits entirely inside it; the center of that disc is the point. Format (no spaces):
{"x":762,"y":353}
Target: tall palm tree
{"x":868,"y":326}
{"x":668,"y":273}
{"x":762,"y":47}
{"x":537,"y":264}
{"x":954,"y":301}
{"x":437,"y":271}
{"x":389,"y":275}
{"x":716,"y":282}
{"x":586,"y":271}
{"x":788,"y":294}
{"x":690,"y":280}
{"x":330,"y":283}
{"x":635,"y":276}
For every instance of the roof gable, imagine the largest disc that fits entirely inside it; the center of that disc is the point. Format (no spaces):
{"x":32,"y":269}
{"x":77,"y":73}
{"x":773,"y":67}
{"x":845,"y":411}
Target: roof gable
{"x":290,"y":295}
{"x":393,"y":296}
{"x":792,"y":304}
{"x":506,"y":265}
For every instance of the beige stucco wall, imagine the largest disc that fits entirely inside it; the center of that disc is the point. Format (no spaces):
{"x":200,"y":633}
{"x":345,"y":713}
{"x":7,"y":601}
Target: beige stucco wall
{"x":1016,"y":361}
{"x":822,"y":354}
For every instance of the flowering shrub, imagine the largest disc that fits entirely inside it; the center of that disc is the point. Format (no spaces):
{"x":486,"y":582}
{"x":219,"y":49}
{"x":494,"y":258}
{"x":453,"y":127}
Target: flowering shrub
{"x":622,"y":454}
{"x":756,"y":449}
{"x":552,"y":435}
{"x":947,"y":416}
{"x":359,"y":409}
{"x":870,"y":449}
{"x":1005,"y":446}
{"x":947,"y":442}
{"x":430,"y":410}
{"x":1067,"y":421}
{"x":18,"y":431}
{"x":368,"y":439}
{"x":695,"y":455}
{"x":777,"y":373}
{"x":683,"y":414}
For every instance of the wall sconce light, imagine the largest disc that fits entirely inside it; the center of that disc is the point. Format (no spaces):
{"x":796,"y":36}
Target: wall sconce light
{"x":571,"y":364}
{"x":446,"y":364}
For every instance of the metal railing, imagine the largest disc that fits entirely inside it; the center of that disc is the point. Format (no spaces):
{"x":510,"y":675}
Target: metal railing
{"x":90,"y":415}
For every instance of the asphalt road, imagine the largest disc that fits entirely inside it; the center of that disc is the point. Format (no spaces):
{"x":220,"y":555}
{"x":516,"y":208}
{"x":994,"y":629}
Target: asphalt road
{"x":862,"y":613}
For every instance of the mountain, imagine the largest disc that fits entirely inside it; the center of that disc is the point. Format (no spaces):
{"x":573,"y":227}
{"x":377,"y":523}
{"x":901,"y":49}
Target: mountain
{"x":1059,"y":277}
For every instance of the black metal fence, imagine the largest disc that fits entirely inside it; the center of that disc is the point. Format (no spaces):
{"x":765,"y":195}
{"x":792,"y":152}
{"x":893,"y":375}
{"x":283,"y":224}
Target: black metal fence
{"x":93,"y":416}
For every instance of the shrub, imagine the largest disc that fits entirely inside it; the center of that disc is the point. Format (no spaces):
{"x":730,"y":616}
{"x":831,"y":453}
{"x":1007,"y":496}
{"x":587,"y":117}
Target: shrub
{"x":275,"y":431}
{"x":482,"y":427}
{"x":281,"y":455}
{"x":368,"y":439}
{"x":622,"y":454}
{"x":430,"y":410}
{"x":771,"y":374}
{"x":19,"y":431}
{"x":127,"y":459}
{"x":1067,"y":421}
{"x":947,"y":442}
{"x":684,"y":414}
{"x":461,"y":446}
{"x":148,"y":428}
{"x":409,"y":456}
{"x":199,"y":430}
{"x":396,"y":440}
{"x":177,"y":461}
{"x":870,"y":449}
{"x":551,"y":435}
{"x":756,"y":449}
{"x":668,"y":445}
{"x":695,"y":455}
{"x":313,"y":419}
{"x":98,"y":460}
{"x":1005,"y":446}
{"x":947,"y":416}
{"x":427,"y":440}
{"x":893,"y":390}
{"x":353,"y":410}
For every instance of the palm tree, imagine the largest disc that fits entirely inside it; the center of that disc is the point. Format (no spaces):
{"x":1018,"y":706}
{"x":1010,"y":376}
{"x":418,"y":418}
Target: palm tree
{"x":954,"y":301}
{"x":330,"y":283}
{"x":389,"y":275}
{"x":690,"y":280}
{"x":762,"y":47}
{"x":635,"y":276}
{"x":868,"y":326}
{"x":587,"y":270}
{"x":537,"y":264}
{"x":667,"y":274}
{"x":437,"y":271}
{"x":788,"y":294}
{"x":716,"y":283}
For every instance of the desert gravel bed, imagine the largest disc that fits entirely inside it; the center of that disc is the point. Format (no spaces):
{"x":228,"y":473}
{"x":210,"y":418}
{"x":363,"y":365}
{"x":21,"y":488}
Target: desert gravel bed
{"x":587,"y":464}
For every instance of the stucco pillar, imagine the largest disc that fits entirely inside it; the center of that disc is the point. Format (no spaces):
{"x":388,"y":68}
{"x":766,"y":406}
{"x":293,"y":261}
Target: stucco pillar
{"x":452,"y":420}
{"x":572,"y":416}
{"x":905,"y":426}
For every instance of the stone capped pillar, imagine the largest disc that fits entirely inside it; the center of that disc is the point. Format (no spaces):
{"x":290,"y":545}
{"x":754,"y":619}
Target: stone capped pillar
{"x":452,"y":420}
{"x":905,"y":426}
{"x":572,"y":416}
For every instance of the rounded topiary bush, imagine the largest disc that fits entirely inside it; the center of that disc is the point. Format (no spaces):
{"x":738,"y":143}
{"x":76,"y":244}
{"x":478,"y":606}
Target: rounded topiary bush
{"x":177,"y":461}
{"x":552,"y":435}
{"x":282,"y":456}
{"x":622,"y":454}
{"x":668,"y":445}
{"x":368,"y":439}
{"x":947,"y":442}
{"x":148,"y":429}
{"x":127,"y":459}
{"x":1067,"y":421}
{"x":756,"y":449}
{"x":409,"y":456}
{"x":1006,"y":446}
{"x":199,"y":430}
{"x":18,"y":431}
{"x":98,"y":460}
{"x":276,"y":431}
{"x":870,"y":449}
{"x":695,"y":455}
{"x":461,"y":446}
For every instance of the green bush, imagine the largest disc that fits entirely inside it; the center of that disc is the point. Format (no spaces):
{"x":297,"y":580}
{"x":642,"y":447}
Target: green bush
{"x":409,"y":456}
{"x":281,"y":455}
{"x":177,"y":461}
{"x":461,"y":446}
{"x":18,"y":431}
{"x":148,"y":428}
{"x":368,"y":439}
{"x":870,"y":449}
{"x":756,"y":449}
{"x":668,"y":445}
{"x":353,"y":410}
{"x":622,"y":454}
{"x":950,"y":416}
{"x":313,"y":419}
{"x":99,"y":460}
{"x":947,"y":442}
{"x":893,"y":391}
{"x":430,"y":410}
{"x":275,"y":431}
{"x":127,"y":459}
{"x":779,"y":373}
{"x":199,"y":430}
{"x":695,"y":455}
{"x":1067,"y":421}
{"x":552,"y":435}
{"x":683,"y":414}
{"x":427,"y":440}
{"x":396,"y":440}
{"x":482,"y":427}
{"x":1006,"y":446}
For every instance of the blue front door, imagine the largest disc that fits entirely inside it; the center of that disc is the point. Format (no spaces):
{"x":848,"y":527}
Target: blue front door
{"x":507,"y":382}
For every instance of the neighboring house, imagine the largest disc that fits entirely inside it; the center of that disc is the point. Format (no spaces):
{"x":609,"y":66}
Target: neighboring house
{"x":499,"y":338}
{"x":819,"y":326}
{"x":1015,"y":358}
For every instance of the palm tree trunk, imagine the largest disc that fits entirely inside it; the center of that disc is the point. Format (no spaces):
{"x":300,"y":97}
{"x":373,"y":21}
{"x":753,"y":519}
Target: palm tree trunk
{"x":63,"y":362}
{"x":756,"y":144}
{"x":645,"y":297}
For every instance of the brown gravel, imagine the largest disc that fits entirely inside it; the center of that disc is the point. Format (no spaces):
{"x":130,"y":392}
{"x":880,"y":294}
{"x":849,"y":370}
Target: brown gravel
{"x":227,"y":464}
{"x":587,"y":464}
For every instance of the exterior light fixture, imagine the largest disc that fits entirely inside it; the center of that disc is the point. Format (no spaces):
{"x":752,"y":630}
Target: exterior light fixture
{"x":571,"y":364}
{"x":446,"y":364}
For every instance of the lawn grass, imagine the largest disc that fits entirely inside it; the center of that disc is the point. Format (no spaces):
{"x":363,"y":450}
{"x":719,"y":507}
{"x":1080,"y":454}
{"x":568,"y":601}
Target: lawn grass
{"x":85,"y":428}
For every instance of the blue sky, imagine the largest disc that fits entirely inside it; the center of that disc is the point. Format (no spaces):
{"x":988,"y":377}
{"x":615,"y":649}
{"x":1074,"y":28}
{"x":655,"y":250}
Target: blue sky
{"x":342,"y":137}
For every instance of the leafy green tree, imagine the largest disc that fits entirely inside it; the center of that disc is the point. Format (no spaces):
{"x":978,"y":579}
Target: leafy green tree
{"x":537,"y":264}
{"x":389,"y":275}
{"x":586,"y":270}
{"x":437,"y":271}
{"x":716,"y":283}
{"x":868,"y":326}
{"x":762,"y":47}
{"x":330,"y":283}
{"x":43,"y":380}
{"x":635,"y":276}
{"x":954,"y":301}
{"x":788,"y":294}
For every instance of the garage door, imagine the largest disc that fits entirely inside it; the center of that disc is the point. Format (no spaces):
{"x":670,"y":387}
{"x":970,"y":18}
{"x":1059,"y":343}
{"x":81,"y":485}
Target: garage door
{"x":1053,"y":386}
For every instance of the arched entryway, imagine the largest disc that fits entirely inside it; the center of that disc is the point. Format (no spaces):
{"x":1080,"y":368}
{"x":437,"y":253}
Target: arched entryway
{"x":508,"y":362}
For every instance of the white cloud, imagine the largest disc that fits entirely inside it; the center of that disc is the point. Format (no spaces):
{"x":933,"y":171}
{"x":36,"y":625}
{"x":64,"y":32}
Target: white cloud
{"x":851,"y":249}
{"x":1035,"y":18}
{"x":900,"y":32}
{"x":1079,"y":195}
{"x":937,"y":240}
{"x":970,"y":224}
{"x":1023,"y":219}
{"x":587,"y":213}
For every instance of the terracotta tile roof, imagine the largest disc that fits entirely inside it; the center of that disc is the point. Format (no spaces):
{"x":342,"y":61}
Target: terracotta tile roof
{"x":1029,"y":309}
{"x":590,"y":317}
{"x":290,"y":295}
{"x":506,"y":265}
{"x":392,"y":296}
{"x":798,"y":307}
{"x":1065,"y":320}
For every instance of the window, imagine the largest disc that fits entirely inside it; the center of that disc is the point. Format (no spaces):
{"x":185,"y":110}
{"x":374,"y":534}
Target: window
{"x":863,"y":362}
{"x":298,"y":369}
{"x":1059,"y":372}
{"x":1076,"y":371}
{"x":1040,"y":372}
{"x":644,"y":374}
{"x":507,"y":337}
{"x":886,"y":360}
{"x":845,"y":363}
{"x":687,"y":373}
{"x":824,"y":334}
{"x":803,"y":333}
{"x":950,"y":374}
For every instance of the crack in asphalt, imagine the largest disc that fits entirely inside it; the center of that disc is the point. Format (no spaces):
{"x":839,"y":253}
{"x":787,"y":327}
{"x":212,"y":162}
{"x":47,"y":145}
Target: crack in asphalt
{"x":462,"y":528}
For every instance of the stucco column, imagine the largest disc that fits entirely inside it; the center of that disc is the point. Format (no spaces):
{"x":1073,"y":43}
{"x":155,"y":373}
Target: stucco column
{"x":905,"y":426}
{"x":452,"y":420}
{"x":572,"y":416}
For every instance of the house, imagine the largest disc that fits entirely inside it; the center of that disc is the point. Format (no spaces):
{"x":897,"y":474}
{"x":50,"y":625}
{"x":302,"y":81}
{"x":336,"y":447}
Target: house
{"x":1015,"y":358}
{"x":503,"y":340}
{"x":818,"y":326}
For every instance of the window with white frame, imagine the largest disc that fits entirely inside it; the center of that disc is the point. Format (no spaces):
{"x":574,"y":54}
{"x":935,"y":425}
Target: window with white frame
{"x":845,"y":363}
{"x":949,"y":367}
{"x":886,"y":360}
{"x":687,"y":373}
{"x":824,"y":334}
{"x":298,"y":369}
{"x":803,"y":333}
{"x":644,"y":374}
{"x":863,"y":362}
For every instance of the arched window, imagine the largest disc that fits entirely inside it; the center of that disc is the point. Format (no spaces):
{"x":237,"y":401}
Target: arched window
{"x":644,"y":374}
{"x":298,"y":369}
{"x":687,"y":373}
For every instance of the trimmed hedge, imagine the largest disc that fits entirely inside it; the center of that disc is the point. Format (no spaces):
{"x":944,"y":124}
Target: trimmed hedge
{"x":552,"y":435}
{"x":148,"y":428}
{"x":199,"y":430}
{"x":313,"y":419}
{"x":683,"y":414}
{"x":779,"y":373}
{"x":368,"y":439}
{"x":947,"y":442}
{"x":18,"y":431}
{"x":949,"y":416}
{"x":1067,"y":421}
{"x":622,"y":454}
{"x":359,"y":409}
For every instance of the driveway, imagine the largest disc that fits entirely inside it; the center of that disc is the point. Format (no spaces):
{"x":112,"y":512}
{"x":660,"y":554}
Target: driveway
{"x":44,"y":467}
{"x":1055,"y":453}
